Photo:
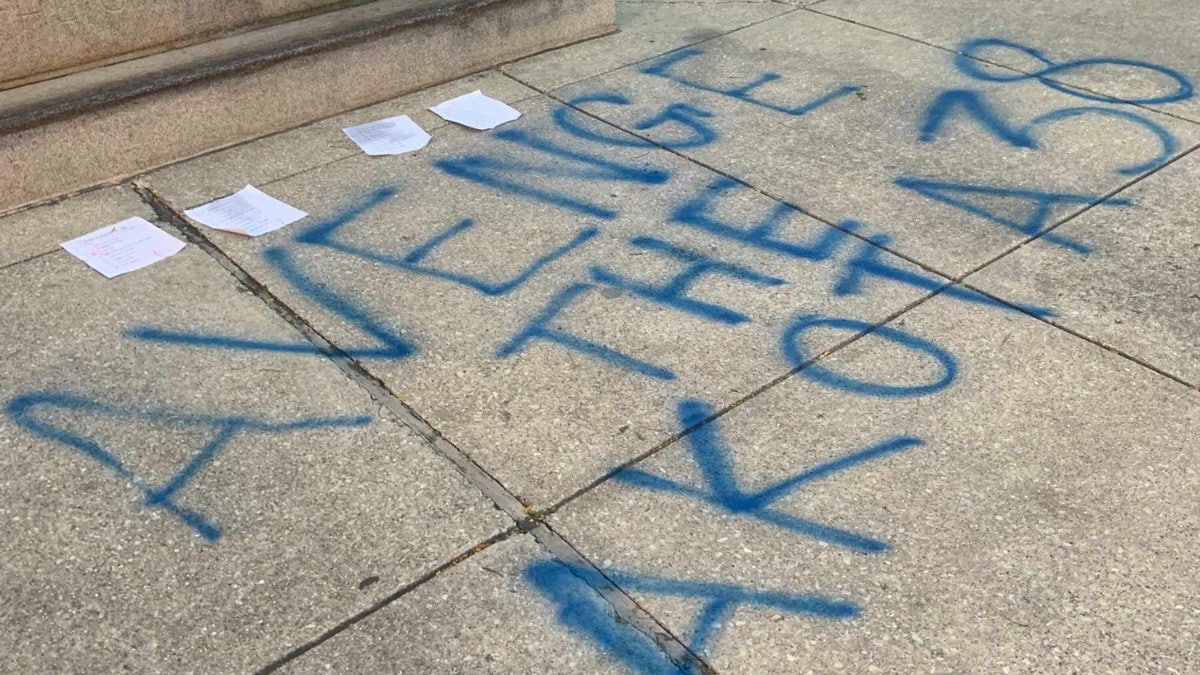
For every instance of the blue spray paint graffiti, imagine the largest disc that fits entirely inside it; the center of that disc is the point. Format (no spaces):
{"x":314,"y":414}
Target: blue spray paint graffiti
{"x":700,"y":212}
{"x":713,"y":458}
{"x":540,"y":328}
{"x":674,"y":293}
{"x":1165,"y":139}
{"x":322,"y":235}
{"x":583,"y":610}
{"x":413,"y":261}
{"x":665,"y":66}
{"x":513,"y":175}
{"x":580,"y":607}
{"x":687,"y":116}
{"x":974,"y":105}
{"x":798,"y":355}
{"x":565,"y":117}
{"x":23,"y":411}
{"x":715,"y":461}
{"x":391,"y":345}
{"x":958,"y":195}
{"x":870,"y":260}
{"x":722,"y":600}
{"x":970,"y":61}
{"x":565,"y":584}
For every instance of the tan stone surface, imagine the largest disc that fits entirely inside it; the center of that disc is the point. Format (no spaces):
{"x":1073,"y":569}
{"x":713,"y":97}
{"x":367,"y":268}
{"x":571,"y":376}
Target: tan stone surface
{"x":147,"y":132}
{"x":45,"y":36}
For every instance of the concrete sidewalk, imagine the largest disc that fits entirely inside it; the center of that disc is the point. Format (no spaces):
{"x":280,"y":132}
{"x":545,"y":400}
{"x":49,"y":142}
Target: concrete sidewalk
{"x":771,"y":338}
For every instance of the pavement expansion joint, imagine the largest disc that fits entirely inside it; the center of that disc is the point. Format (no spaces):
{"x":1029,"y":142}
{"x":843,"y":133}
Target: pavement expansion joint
{"x":624,"y":607}
{"x":428,"y":576}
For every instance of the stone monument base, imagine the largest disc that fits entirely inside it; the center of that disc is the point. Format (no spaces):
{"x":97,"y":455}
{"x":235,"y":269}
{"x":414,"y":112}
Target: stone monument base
{"x":104,"y":123}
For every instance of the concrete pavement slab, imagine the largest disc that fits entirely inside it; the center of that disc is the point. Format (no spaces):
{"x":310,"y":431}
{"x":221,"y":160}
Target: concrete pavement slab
{"x":852,"y":123}
{"x":504,"y":610}
{"x":170,"y":510}
{"x":1032,"y":513}
{"x":266,"y":160}
{"x":32,"y":232}
{"x":1128,"y":51}
{"x":1139,"y":291}
{"x":646,"y":29}
{"x":190,"y":487}
{"x":527,"y":292}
